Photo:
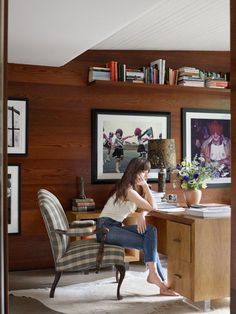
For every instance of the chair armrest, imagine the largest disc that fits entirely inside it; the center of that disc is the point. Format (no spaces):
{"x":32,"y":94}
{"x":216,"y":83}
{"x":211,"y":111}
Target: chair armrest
{"x":75,"y":232}
{"x":78,"y":232}
{"x":82,"y":223}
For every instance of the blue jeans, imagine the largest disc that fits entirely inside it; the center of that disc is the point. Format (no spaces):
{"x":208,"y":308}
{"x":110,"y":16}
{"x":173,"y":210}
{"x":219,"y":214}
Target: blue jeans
{"x":129,"y":238}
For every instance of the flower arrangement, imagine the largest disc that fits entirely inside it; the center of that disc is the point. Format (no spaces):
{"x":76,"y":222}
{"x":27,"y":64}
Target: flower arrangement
{"x":193,"y":175}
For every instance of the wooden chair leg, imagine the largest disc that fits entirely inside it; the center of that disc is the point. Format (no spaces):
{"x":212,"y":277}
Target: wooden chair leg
{"x":55,"y":282}
{"x":117,"y":275}
{"x":120,"y":275}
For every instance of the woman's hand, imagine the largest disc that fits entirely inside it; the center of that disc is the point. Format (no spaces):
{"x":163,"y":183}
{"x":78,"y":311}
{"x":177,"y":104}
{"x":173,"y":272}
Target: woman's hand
{"x":141,"y":222}
{"x":141,"y":180}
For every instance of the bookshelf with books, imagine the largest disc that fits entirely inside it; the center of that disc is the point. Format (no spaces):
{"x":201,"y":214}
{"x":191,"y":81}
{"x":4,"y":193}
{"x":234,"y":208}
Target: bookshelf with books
{"x":157,"y":73}
{"x":162,"y":88}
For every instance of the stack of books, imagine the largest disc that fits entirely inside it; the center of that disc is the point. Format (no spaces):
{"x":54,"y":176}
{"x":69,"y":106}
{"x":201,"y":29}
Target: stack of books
{"x":211,"y":210}
{"x":190,"y":76}
{"x":99,"y":73}
{"x":134,"y":75}
{"x":83,"y":204}
{"x":216,"y":82}
{"x":158,"y":196}
{"x":217,"y":79}
{"x":163,"y":205}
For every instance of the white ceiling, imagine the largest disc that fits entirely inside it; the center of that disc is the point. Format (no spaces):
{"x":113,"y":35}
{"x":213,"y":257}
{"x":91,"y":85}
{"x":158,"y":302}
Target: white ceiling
{"x":53,"y":32}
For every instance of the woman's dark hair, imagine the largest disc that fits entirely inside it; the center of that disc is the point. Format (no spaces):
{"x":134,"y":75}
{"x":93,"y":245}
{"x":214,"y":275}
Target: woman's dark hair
{"x":135,"y":166}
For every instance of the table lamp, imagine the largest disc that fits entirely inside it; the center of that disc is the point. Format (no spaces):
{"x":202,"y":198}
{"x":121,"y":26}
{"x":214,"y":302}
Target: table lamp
{"x":162,"y":156}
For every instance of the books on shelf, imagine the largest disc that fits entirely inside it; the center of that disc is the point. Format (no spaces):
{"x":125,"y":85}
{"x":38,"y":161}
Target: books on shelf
{"x":194,"y":83}
{"x":134,"y":75}
{"x":157,"y":73}
{"x":98,"y":73}
{"x":211,"y":210}
{"x":216,"y":83}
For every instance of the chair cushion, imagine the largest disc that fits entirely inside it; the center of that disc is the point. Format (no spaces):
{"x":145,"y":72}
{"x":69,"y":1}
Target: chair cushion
{"x":82,"y":255}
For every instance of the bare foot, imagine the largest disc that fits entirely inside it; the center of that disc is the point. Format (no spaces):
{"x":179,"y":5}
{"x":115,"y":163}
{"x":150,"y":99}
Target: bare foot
{"x":167,"y":291}
{"x":164,"y":289}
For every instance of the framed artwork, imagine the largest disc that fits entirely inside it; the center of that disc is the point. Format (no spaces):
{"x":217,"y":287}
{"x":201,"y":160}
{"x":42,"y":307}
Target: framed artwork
{"x":120,"y":135}
{"x":206,"y":133}
{"x":17,"y":126}
{"x":13,"y":197}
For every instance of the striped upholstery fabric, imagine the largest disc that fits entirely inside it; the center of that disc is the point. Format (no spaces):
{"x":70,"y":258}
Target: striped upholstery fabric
{"x":76,"y":255}
{"x":82,"y":256}
{"x":54,"y":218}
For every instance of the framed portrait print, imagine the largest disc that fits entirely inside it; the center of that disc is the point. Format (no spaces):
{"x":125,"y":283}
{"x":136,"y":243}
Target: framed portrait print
{"x":17,"y":126}
{"x":13,"y":197}
{"x":206,"y":133}
{"x":120,"y":135}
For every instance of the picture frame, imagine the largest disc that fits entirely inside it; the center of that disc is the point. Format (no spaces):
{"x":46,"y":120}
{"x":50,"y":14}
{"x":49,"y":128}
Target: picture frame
{"x":206,"y":133}
{"x":17,"y":125}
{"x":107,"y":165}
{"x":13,"y":197}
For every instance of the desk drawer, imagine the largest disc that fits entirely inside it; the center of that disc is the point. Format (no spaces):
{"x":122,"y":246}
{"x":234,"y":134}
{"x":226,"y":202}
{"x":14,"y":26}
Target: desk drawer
{"x":179,"y":277}
{"x":179,"y":241}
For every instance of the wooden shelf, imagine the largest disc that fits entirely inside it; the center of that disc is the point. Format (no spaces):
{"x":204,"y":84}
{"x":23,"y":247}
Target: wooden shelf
{"x":176,"y":88}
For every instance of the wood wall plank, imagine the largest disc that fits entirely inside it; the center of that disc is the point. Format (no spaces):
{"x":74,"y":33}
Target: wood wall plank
{"x":60,"y":103}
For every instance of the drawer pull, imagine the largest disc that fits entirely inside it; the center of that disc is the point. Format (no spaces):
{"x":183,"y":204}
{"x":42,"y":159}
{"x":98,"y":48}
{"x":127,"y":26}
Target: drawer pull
{"x":177,"y":240}
{"x":178,"y":275}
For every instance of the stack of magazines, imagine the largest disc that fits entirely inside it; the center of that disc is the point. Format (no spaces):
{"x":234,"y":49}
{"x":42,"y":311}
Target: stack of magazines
{"x":211,"y":210}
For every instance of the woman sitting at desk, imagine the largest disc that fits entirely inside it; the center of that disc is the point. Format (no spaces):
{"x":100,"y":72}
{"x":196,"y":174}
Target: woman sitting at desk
{"x":132,"y":192}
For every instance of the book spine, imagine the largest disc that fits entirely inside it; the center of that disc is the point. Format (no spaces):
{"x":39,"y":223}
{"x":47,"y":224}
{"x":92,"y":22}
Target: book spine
{"x":83,"y":208}
{"x":84,"y":204}
{"x":82,"y":200}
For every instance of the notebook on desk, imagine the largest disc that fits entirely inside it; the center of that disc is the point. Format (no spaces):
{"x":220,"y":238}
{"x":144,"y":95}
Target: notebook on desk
{"x":169,"y":207}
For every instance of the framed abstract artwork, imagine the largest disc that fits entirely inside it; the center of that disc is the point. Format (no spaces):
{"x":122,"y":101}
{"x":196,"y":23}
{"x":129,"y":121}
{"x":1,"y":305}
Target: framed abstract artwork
{"x":206,"y":133}
{"x":120,"y":135}
{"x":17,"y":126}
{"x":13,"y":197}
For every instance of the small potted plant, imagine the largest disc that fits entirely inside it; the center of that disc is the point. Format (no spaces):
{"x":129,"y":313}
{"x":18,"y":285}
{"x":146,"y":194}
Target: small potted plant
{"x":193,"y":176}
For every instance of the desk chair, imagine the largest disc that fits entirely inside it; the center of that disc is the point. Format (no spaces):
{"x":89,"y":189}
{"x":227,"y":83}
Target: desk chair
{"x":78,"y":255}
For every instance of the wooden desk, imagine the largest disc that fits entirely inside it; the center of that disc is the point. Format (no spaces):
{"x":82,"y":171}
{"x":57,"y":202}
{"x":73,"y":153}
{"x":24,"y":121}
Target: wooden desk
{"x":198,"y":252}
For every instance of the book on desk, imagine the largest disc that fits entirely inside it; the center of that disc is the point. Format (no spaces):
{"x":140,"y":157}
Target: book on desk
{"x":211,"y":210}
{"x":169,"y":207}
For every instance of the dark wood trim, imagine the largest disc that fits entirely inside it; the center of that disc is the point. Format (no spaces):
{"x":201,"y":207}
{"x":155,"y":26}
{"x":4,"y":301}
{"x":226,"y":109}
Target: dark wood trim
{"x":5,"y":158}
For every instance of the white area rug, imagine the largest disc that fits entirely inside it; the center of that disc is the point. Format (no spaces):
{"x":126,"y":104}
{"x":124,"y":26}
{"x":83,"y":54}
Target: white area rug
{"x":99,"y":296}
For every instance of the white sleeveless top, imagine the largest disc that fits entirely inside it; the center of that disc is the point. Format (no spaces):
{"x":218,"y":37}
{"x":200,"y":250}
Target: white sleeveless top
{"x":118,"y":211}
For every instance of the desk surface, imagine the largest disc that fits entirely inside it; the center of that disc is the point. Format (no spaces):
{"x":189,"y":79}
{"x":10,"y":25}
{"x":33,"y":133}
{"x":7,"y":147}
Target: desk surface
{"x":180,"y":217}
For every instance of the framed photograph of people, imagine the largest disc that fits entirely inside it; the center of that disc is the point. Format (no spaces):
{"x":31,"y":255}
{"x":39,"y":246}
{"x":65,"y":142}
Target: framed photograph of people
{"x":206,"y":133}
{"x":17,"y":126}
{"x":13,"y":197}
{"x":120,"y":135}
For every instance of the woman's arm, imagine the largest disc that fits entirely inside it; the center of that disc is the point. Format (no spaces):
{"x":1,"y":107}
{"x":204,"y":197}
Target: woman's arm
{"x":141,"y":202}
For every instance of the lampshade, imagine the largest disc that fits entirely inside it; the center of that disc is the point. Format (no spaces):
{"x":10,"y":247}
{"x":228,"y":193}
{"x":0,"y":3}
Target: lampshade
{"x":161,"y":153}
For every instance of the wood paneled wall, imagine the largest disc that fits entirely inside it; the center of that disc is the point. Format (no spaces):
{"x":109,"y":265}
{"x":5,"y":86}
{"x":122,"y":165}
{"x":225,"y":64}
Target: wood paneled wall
{"x":59,"y":143}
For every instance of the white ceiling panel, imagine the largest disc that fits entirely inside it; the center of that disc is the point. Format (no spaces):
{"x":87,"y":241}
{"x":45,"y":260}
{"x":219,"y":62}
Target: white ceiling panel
{"x":177,"y":25}
{"x":53,"y":32}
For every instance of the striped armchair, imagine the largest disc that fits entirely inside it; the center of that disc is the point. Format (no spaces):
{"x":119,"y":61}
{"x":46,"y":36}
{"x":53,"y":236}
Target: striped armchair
{"x":79,"y":255}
